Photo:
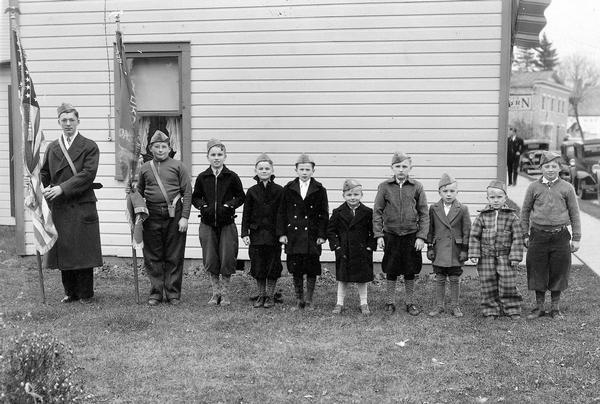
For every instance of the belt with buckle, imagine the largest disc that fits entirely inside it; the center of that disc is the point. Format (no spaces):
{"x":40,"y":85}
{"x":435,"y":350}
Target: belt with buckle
{"x":551,"y":229}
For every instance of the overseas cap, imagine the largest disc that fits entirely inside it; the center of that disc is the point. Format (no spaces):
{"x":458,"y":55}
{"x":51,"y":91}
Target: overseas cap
{"x":548,"y":156}
{"x":214,"y":142}
{"x":263,"y":157}
{"x":159,"y":137}
{"x":65,"y":107}
{"x":304,"y":158}
{"x":349,"y":184}
{"x":498,"y":184}
{"x":446,"y":179}
{"x":399,"y":157}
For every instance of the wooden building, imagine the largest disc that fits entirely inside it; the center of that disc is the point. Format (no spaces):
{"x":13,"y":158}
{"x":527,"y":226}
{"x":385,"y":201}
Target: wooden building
{"x":347,"y":81}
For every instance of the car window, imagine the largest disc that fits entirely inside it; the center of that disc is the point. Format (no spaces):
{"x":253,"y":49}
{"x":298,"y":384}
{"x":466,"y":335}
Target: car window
{"x":591,"y":150}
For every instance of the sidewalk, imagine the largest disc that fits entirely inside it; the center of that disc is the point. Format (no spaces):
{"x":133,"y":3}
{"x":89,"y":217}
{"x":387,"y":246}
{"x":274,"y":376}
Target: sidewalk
{"x":589,"y":251}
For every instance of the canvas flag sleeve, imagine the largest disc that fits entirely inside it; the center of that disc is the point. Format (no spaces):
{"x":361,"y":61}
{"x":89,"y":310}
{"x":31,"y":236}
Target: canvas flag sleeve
{"x":44,"y":231}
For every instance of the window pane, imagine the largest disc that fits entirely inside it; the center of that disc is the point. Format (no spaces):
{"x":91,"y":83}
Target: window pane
{"x":156,"y":83}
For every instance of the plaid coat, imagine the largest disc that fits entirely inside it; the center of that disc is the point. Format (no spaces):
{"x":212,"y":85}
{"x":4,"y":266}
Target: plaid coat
{"x":487,"y":240}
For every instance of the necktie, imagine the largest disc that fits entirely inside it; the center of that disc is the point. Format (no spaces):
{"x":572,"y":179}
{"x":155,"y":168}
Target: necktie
{"x":68,"y":140}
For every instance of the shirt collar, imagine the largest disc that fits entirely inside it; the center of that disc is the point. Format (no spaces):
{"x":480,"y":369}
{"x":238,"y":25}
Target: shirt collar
{"x":72,"y":137}
{"x":546,"y":181}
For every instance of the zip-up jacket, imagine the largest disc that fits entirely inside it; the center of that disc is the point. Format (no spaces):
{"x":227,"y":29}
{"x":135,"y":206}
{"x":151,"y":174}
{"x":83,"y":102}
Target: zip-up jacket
{"x":217,"y":198}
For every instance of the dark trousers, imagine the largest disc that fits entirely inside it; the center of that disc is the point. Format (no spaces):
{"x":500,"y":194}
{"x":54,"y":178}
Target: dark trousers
{"x":548,"y":260}
{"x":164,"y":247}
{"x":78,"y":283}
{"x":513,"y":169}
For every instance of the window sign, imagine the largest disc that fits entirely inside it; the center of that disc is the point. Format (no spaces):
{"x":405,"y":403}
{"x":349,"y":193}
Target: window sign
{"x":519,"y":102}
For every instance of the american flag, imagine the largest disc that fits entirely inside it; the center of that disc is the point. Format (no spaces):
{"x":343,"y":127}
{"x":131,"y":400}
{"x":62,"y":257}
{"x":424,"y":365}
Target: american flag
{"x":44,"y":232}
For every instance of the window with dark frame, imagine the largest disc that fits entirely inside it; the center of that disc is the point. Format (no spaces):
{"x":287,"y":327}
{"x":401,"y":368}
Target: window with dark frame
{"x":160,"y":73}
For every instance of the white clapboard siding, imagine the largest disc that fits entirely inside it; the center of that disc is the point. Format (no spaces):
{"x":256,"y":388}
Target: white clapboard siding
{"x":348,"y":81}
{"x":6,"y":216}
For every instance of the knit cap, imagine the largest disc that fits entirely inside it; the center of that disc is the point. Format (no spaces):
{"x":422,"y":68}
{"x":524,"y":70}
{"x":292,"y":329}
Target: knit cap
{"x":349,"y":184}
{"x":263,"y":157}
{"x":399,"y":157}
{"x":446,"y":179}
{"x":498,"y":184}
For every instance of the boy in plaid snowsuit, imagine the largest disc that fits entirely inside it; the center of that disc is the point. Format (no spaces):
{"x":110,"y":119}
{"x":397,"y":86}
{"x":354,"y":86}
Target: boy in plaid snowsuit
{"x":496,"y":245}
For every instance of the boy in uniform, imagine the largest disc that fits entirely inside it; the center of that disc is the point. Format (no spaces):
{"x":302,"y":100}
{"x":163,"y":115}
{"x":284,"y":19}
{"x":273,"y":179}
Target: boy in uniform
{"x":448,"y":242}
{"x":401,"y":224}
{"x":550,"y":206}
{"x":218,"y":192}
{"x":302,"y":227}
{"x":165,"y":184}
{"x":496,"y":246}
{"x":258,"y":231}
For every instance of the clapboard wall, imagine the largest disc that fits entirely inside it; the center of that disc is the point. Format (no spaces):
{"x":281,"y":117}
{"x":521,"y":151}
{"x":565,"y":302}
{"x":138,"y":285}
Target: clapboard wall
{"x":6,"y":215}
{"x":346,"y":81}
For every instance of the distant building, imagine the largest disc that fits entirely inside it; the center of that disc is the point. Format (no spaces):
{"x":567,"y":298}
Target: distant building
{"x":589,"y":115}
{"x":539,"y":99}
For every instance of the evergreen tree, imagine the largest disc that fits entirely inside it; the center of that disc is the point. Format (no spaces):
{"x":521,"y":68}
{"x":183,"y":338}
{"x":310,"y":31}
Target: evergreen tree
{"x":524,"y":60}
{"x":546,"y":55}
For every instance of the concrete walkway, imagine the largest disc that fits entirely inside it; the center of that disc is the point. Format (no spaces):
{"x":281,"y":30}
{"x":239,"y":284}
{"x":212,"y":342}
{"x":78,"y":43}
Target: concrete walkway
{"x":589,"y":251}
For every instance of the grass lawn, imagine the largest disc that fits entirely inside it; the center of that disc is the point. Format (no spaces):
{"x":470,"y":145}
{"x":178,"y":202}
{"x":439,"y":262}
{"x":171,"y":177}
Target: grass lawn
{"x":132,"y":353}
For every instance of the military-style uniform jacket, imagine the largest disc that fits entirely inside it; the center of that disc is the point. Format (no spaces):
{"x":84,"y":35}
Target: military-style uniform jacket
{"x":351,"y":237}
{"x":501,"y":238}
{"x":448,"y":235}
{"x":303,"y":221}
{"x":260,"y":212}
{"x":74,"y":212}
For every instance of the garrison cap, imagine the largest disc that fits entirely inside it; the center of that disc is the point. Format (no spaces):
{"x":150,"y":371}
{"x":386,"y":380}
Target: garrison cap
{"x":263,"y":157}
{"x":214,"y":142}
{"x":446,"y":179}
{"x":349,"y":184}
{"x":399,"y":157}
{"x":65,"y":107}
{"x":498,"y":184}
{"x":548,"y":156}
{"x":304,"y":158}
{"x":159,"y":137}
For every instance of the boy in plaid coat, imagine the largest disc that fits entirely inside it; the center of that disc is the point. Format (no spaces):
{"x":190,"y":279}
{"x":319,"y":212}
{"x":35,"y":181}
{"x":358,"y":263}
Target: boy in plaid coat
{"x":496,"y":245}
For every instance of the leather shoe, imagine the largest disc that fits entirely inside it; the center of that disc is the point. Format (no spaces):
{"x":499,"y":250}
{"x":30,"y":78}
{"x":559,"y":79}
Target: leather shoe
{"x":436,"y":312}
{"x":536,"y":313}
{"x":456,"y":312}
{"x":412,"y":310}
{"x":86,"y":300}
{"x":268,"y":302}
{"x":364,"y":309}
{"x":153,"y":302}
{"x":390,"y":307}
{"x":260,"y":302}
{"x":337,"y":309}
{"x":68,"y":299}
{"x":556,"y":314}
{"x":175,"y":302}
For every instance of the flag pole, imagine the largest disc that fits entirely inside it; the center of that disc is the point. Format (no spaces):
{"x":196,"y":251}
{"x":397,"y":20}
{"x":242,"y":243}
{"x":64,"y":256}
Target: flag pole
{"x":13,"y":10}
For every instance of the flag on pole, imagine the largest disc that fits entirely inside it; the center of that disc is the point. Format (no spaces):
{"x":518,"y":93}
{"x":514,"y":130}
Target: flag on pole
{"x":127,"y":138}
{"x":44,"y":232}
{"x":129,"y":145}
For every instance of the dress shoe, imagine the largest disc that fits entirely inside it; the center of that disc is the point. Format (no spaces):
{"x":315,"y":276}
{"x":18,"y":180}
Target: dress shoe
{"x":456,"y":312}
{"x":268,"y":302}
{"x":412,"y":310}
{"x":214,"y":300}
{"x":536,"y":313}
{"x":364,"y":309}
{"x":259,"y":302}
{"x":556,"y":314}
{"x":86,"y":300}
{"x":337,"y":309}
{"x":153,"y":302}
{"x":175,"y":302}
{"x":390,"y":307}
{"x":68,"y":299}
{"x":436,"y":312}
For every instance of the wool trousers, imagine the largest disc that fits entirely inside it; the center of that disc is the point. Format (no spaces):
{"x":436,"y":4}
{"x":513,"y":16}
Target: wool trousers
{"x":219,"y":248}
{"x":498,"y":283}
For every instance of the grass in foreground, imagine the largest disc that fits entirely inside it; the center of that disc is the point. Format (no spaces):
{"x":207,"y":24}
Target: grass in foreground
{"x":195,"y":353}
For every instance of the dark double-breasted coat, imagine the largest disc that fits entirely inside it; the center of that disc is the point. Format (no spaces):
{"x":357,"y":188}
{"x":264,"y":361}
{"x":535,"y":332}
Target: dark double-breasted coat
{"x":449,"y":235}
{"x":303,"y":220}
{"x":74,"y":212}
{"x":351,"y":237}
{"x":260,"y":213}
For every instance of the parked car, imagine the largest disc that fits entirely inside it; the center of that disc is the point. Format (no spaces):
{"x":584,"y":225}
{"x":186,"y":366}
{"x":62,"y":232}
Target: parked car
{"x":532,"y":153}
{"x":583,"y":158}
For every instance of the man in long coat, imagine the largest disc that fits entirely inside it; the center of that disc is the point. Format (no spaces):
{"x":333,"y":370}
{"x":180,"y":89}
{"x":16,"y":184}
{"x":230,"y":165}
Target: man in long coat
{"x":70,"y":193}
{"x":514,"y":147}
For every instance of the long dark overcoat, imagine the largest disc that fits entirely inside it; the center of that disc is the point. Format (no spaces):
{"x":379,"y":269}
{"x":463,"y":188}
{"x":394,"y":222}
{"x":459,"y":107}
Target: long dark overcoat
{"x":74,"y":212}
{"x":303,"y":220}
{"x":449,"y":235}
{"x":351,"y":237}
{"x":260,"y":213}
